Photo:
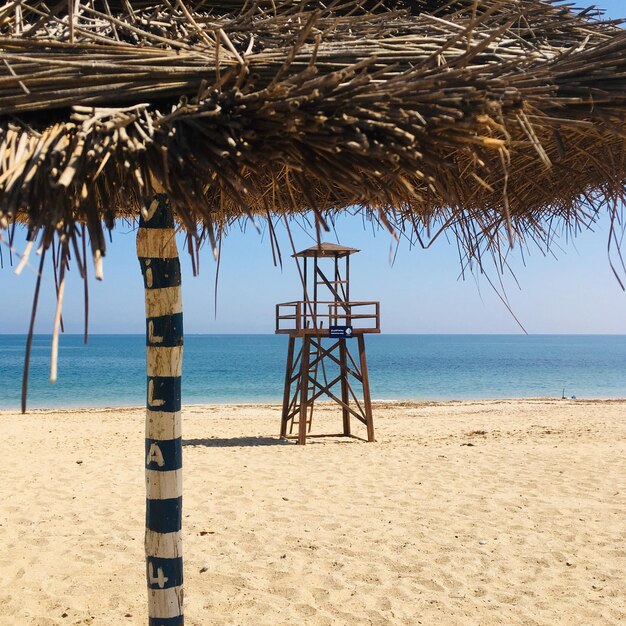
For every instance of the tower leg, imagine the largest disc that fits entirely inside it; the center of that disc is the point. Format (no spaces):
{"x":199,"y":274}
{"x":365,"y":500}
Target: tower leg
{"x":367,"y":401}
{"x":156,"y":250}
{"x":344,"y":387}
{"x":304,"y":388}
{"x":287,"y":392}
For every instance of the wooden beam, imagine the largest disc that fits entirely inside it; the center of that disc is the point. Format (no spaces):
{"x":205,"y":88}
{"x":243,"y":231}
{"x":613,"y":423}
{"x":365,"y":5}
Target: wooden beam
{"x":332,"y":357}
{"x":366,"y":390}
{"x":160,"y":266}
{"x":330,"y":394}
{"x":286,"y":393}
{"x":332,"y":290}
{"x":345,"y":397}
{"x":304,"y":389}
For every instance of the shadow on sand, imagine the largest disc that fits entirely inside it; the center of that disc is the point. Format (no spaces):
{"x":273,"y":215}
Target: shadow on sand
{"x":236,"y":442}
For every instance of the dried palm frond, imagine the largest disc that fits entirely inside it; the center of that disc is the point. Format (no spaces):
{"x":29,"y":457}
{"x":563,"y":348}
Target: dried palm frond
{"x":488,"y":118}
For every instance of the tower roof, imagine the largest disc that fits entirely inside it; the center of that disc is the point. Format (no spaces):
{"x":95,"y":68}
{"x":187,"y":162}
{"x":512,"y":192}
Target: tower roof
{"x":326,"y":250}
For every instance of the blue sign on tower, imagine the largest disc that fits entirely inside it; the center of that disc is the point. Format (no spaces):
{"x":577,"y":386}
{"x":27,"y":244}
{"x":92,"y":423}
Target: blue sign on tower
{"x":340,"y":332}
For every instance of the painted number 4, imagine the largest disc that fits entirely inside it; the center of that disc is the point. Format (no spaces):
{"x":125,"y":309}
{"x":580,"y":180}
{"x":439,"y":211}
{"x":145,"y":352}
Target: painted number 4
{"x":158,"y":577}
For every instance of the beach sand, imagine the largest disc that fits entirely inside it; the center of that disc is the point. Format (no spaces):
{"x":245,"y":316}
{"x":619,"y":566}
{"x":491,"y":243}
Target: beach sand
{"x":469,"y":513}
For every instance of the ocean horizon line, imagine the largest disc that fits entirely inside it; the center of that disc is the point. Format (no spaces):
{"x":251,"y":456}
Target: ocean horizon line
{"x":270,"y":334}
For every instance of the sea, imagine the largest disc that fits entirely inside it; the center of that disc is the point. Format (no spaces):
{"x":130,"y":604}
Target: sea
{"x":110,"y":370}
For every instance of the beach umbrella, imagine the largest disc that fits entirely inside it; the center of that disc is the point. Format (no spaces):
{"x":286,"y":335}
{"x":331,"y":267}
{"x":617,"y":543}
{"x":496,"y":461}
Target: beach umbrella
{"x":495,"y":121}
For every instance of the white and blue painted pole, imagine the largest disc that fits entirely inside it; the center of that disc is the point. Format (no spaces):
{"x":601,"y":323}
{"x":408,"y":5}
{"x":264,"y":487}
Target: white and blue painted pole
{"x":160,"y":266}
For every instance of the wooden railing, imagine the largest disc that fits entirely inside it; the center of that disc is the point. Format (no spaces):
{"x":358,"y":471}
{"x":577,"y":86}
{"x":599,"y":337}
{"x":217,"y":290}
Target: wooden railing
{"x":303,"y":317}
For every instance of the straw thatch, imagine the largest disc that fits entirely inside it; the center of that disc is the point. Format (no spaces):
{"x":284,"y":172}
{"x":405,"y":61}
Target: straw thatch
{"x":487,"y":117}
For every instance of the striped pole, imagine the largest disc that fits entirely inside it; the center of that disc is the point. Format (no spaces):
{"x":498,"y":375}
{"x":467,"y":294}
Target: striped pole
{"x":160,"y":266}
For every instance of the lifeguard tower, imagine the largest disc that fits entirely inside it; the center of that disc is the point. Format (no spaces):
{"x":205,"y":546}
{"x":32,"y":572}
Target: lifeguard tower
{"x":322,"y":329}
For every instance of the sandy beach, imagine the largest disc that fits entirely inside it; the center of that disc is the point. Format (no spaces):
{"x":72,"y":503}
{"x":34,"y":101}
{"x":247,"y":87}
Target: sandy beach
{"x":486,"y":512}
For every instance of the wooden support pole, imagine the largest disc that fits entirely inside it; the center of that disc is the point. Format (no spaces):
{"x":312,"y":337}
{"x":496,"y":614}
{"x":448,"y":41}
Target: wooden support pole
{"x":367,"y":401}
{"x":287,"y":392}
{"x":304,"y":389}
{"x":160,"y":266}
{"x":345,"y":398}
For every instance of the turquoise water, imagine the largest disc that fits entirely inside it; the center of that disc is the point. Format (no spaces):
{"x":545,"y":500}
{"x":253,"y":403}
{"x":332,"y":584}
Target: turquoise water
{"x":110,"y":370}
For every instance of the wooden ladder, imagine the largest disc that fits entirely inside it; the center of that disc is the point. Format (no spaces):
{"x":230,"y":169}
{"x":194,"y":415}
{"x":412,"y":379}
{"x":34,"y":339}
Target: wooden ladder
{"x":312,"y":368}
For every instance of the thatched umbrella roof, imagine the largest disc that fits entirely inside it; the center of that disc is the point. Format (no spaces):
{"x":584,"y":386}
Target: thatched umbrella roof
{"x":487,"y":117}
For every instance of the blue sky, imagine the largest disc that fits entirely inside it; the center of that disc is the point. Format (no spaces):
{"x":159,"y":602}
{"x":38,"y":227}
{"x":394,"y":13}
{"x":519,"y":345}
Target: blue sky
{"x":420,"y":293}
